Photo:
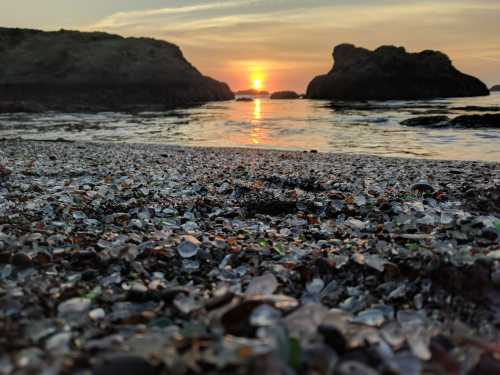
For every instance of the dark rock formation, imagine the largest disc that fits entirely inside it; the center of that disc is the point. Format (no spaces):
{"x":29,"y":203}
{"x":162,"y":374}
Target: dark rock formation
{"x":74,"y":70}
{"x":285,"y":95}
{"x":427,"y":121}
{"x":252,"y":92}
{"x":244,"y":99}
{"x":495,"y":88}
{"x":391,"y":73}
{"x":489,"y":120}
{"x":475,"y":108}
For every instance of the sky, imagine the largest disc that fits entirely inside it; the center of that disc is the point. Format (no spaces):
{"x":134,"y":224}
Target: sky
{"x":284,"y":43}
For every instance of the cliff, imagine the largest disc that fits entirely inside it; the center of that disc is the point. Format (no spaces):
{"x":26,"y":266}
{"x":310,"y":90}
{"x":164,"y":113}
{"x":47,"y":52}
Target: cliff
{"x":391,"y":73}
{"x":69,"y":69}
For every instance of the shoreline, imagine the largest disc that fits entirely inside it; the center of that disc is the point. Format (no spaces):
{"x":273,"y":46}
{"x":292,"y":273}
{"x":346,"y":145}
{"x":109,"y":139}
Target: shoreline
{"x":411,"y":156}
{"x":181,"y":259}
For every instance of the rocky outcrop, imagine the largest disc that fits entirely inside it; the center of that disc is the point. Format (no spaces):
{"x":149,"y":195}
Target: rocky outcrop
{"x":252,"y":92}
{"x":75,"y":70}
{"x":427,"y":121}
{"x":391,"y":73}
{"x":285,"y":95}
{"x":495,"y":88}
{"x":489,"y":121}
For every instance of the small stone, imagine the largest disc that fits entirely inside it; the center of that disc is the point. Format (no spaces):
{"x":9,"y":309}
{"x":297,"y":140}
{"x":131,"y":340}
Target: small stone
{"x":360,"y":200}
{"x":376,"y":262}
{"x":97,"y":314}
{"x":79,"y":215}
{"x":355,"y":368}
{"x":6,"y":365}
{"x":190,"y":265}
{"x":370,"y":317}
{"x":59,"y":343}
{"x":185,"y":303}
{"x":74,"y":306}
{"x":315,"y":286}
{"x":21,"y":260}
{"x":138,"y":287}
{"x":4,"y":171}
{"x":189,"y":247}
{"x":265,"y":285}
{"x":356,"y":224}
{"x":494,"y":254}
{"x":422,"y":187}
{"x":333,"y":337}
{"x":264,"y":316}
{"x":125,"y":365}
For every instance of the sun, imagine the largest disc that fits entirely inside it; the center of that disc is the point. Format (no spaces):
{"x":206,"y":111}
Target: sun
{"x":257,"y":84}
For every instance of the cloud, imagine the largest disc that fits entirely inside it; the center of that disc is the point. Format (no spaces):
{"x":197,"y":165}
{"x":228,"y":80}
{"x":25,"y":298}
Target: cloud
{"x":124,"y":19}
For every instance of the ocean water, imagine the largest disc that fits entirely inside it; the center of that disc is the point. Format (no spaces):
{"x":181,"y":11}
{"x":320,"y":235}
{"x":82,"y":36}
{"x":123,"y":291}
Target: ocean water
{"x":365,"y":128}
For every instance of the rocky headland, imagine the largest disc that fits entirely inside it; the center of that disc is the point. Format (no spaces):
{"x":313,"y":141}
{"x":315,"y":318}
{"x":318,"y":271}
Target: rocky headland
{"x":495,"y":88}
{"x":70,"y":70}
{"x":391,"y":73}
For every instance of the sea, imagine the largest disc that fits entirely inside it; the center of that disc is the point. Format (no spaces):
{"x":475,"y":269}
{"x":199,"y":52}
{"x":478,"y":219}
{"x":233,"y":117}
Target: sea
{"x":372,"y":128}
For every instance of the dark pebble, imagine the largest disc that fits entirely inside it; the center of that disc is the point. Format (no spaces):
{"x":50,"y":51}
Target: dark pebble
{"x":5,"y":257}
{"x":422,"y":187}
{"x":354,"y":368}
{"x":124,"y":365}
{"x":489,"y":234}
{"x":495,"y":277}
{"x":333,"y":337}
{"x":89,"y":274}
{"x":21,"y":260}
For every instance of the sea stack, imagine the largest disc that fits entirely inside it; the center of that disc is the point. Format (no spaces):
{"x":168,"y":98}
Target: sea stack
{"x":69,"y":70}
{"x":495,"y":88}
{"x":391,"y":73}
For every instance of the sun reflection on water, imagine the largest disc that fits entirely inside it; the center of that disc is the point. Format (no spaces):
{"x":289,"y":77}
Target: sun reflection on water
{"x":257,"y":109}
{"x":256,"y":133}
{"x":283,"y":125}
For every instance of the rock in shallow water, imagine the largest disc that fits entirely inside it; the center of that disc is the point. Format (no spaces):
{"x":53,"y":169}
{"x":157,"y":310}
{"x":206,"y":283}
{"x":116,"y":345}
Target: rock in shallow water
{"x":488,"y":121}
{"x":427,"y":121}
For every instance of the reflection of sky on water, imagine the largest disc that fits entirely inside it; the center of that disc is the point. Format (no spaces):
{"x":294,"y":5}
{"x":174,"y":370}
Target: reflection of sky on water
{"x":290,"y":125}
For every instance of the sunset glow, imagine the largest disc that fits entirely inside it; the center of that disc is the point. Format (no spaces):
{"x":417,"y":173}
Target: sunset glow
{"x":233,"y":40}
{"x":257,"y":84}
